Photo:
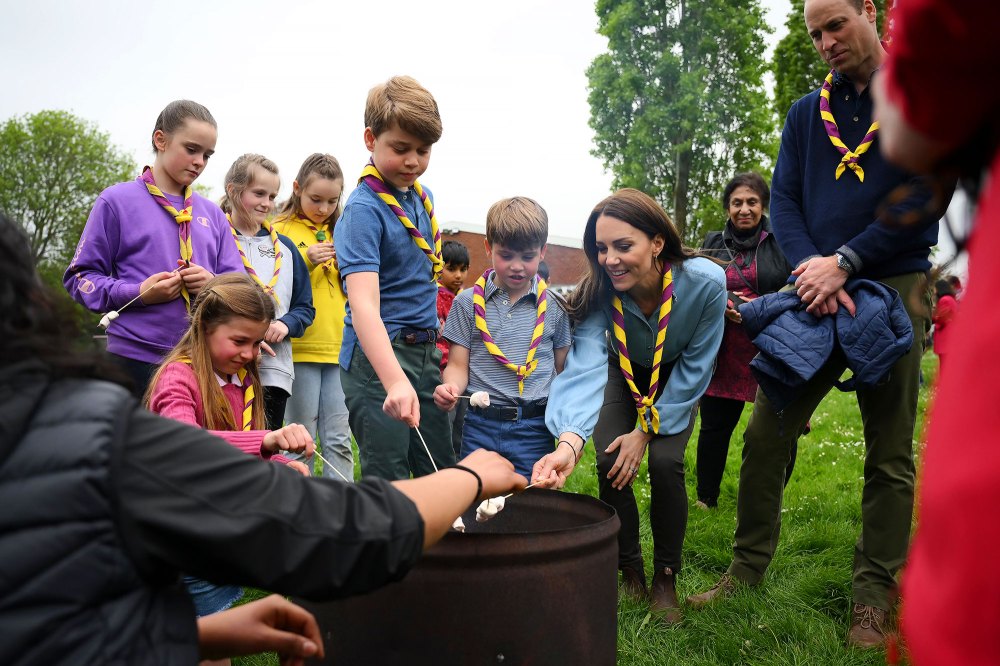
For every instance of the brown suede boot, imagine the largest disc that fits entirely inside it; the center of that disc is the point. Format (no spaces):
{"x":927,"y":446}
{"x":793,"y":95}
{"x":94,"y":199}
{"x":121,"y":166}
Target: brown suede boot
{"x":722,"y":589}
{"x":868,"y":627}
{"x":634,"y":583}
{"x":663,"y":601}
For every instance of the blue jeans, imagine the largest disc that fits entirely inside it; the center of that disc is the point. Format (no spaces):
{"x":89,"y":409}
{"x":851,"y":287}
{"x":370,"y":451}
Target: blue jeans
{"x":317,"y":402}
{"x":211,"y":598}
{"x":521,"y":442}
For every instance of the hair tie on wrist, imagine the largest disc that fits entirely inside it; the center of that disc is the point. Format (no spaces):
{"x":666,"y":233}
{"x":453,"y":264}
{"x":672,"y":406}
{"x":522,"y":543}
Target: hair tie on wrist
{"x":479,"y":480}
{"x":572,"y":448}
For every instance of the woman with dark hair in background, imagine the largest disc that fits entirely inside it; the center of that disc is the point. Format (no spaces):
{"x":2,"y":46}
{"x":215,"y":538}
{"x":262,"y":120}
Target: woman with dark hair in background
{"x":755,"y":266}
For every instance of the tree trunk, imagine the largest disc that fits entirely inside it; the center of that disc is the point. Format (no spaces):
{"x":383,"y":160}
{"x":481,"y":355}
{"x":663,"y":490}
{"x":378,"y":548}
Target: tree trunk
{"x":684,"y":158}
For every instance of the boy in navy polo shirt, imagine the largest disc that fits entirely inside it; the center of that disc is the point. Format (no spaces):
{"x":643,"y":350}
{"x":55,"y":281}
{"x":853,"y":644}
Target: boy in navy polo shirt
{"x":389,"y":254}
{"x":509,"y":337}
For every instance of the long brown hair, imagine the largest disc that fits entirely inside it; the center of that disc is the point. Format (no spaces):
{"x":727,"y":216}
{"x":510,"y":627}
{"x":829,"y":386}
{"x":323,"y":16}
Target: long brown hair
{"x":642,"y":212}
{"x":323,"y":166}
{"x":222,"y":299}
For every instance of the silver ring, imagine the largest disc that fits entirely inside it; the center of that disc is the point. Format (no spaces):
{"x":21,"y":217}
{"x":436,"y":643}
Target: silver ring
{"x":632,"y":469}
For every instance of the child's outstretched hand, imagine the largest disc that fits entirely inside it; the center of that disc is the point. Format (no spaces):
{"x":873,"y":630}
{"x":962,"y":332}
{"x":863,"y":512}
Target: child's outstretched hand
{"x":402,"y":403}
{"x":271,"y":624}
{"x":160,"y":288}
{"x":195,"y":277}
{"x":293,"y":437}
{"x":276,"y":332}
{"x":445,"y":396}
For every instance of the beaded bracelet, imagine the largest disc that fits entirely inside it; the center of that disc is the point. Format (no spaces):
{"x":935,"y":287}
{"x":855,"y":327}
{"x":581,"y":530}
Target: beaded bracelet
{"x":572,"y":448}
{"x":479,"y":479}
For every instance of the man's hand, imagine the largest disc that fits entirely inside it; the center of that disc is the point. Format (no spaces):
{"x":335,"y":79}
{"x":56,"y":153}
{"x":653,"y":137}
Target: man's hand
{"x":819,"y":284}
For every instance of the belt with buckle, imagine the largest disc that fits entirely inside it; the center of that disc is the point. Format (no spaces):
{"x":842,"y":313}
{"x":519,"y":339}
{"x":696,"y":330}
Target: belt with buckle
{"x":528,"y":410}
{"x":418,"y":336}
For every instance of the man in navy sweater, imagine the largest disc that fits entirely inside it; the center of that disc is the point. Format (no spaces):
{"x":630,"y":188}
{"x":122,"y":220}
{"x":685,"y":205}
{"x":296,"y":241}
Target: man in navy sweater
{"x":828,"y":184}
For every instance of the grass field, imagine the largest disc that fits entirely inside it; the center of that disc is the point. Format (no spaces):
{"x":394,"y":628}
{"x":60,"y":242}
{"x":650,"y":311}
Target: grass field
{"x":800,"y":614}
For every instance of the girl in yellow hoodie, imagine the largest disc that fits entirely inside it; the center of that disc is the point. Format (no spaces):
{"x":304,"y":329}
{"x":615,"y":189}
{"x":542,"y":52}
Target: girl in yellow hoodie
{"x":317,"y":400}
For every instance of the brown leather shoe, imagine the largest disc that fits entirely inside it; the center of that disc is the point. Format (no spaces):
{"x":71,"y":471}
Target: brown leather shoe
{"x":868,"y":627}
{"x":663,"y":597}
{"x":634,"y":583}
{"x":724,"y":588}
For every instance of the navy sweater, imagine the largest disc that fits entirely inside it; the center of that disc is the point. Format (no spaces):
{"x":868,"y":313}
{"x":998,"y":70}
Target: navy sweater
{"x":815,"y":214}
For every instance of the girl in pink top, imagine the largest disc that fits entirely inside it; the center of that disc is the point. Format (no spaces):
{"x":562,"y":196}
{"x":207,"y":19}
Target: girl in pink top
{"x":210,"y":380}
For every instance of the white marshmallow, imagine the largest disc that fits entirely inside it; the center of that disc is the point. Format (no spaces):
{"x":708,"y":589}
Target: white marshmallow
{"x":480,"y":399}
{"x":489,"y":508}
{"x":108,"y":318}
{"x":459,"y":524}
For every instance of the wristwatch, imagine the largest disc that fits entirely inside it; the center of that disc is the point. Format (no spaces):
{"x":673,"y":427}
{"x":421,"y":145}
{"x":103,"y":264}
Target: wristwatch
{"x":845,"y":264}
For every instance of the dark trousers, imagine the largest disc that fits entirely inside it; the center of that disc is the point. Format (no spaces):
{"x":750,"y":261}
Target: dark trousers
{"x":719,"y":418}
{"x":140,"y":372}
{"x":668,"y":504}
{"x":888,"y":413}
{"x":274,"y":406}
{"x":389,"y":449}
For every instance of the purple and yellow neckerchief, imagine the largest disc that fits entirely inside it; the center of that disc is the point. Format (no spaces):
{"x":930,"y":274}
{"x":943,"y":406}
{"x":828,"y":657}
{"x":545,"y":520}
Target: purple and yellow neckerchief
{"x":850,"y":157}
{"x":371,"y":177}
{"x":649,"y":418}
{"x":269,"y":287}
{"x":246,"y":382}
{"x":181,"y":217}
{"x":479,"y":310}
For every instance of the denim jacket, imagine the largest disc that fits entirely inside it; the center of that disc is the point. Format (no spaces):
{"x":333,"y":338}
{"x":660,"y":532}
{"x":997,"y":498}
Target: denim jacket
{"x":694,"y":333}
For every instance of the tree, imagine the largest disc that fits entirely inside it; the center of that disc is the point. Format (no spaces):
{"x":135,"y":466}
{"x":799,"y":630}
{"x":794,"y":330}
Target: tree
{"x":798,"y":68}
{"x":678,"y":104}
{"x":52,"y":167}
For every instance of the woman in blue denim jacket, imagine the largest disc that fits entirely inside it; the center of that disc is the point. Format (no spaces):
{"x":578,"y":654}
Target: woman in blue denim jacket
{"x":650,"y":317}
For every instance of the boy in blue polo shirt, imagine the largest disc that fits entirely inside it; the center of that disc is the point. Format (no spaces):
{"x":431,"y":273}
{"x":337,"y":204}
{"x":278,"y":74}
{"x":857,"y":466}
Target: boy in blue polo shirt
{"x":509,"y":337}
{"x":389,"y":254}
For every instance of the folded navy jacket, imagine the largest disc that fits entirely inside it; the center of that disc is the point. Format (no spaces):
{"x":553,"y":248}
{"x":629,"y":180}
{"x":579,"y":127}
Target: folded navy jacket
{"x":794,"y":344}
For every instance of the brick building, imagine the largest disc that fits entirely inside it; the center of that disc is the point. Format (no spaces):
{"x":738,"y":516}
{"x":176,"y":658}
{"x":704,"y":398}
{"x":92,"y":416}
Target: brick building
{"x":564,"y":255}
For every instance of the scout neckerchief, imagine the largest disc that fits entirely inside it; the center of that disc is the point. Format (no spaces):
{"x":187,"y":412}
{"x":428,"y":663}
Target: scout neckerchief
{"x":269,"y":287}
{"x":246,"y":381}
{"x":182,"y":218}
{"x":850,"y":157}
{"x":479,"y":309}
{"x":649,"y":418}
{"x":322,"y":235}
{"x":371,"y":177}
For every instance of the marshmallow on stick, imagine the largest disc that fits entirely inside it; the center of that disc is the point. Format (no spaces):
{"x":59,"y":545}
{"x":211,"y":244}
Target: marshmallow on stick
{"x":489,"y":508}
{"x":480,"y":399}
{"x":458,"y":525}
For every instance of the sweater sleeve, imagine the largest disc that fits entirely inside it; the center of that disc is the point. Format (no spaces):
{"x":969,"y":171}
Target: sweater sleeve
{"x":226,"y":517}
{"x":90,"y":279}
{"x":300,"y":310}
{"x":787,"y":213}
{"x":577,"y":393}
{"x":176,"y":396}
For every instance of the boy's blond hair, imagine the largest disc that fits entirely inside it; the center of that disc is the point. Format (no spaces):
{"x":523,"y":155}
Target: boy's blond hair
{"x":403,"y":102}
{"x":518,"y":223}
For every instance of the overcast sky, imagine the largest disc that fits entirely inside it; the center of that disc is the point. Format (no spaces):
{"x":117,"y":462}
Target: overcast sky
{"x":288,"y":79}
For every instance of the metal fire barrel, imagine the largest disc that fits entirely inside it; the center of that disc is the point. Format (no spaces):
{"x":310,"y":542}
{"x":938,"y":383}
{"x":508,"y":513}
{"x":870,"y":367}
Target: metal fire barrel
{"x":537,"y":584}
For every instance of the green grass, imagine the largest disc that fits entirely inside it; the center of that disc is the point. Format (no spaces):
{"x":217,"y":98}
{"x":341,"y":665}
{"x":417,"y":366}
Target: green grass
{"x":800,"y":614}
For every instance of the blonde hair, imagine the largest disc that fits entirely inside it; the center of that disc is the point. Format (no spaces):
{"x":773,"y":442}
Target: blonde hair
{"x":241,"y":177}
{"x":518,"y":223}
{"x":320,"y":165}
{"x":403,"y":102}
{"x":222,"y":299}
{"x":175,"y":114}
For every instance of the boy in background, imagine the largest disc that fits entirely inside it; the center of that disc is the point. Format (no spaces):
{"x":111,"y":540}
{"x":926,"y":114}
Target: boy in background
{"x":389,"y":253}
{"x":508,"y":337}
{"x":452,"y":280}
